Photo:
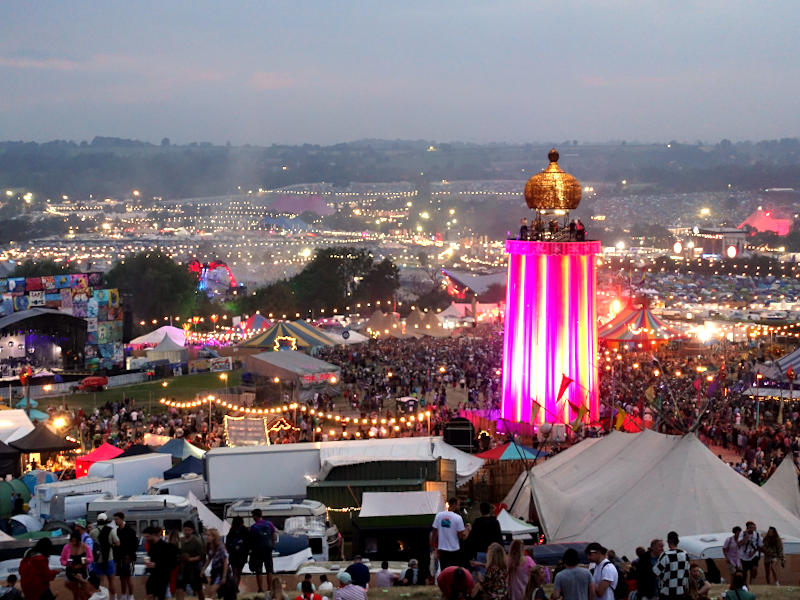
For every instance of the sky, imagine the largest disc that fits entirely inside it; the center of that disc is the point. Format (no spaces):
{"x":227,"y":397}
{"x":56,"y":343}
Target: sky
{"x":325,"y":72}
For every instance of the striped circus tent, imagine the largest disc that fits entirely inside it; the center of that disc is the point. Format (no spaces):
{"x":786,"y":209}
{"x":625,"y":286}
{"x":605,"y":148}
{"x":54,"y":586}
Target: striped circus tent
{"x":637,"y":325}
{"x":286,"y":334}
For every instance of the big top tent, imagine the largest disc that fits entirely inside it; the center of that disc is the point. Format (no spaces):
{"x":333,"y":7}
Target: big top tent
{"x":625,"y":489}
{"x":638,"y":325}
{"x":290,"y":336}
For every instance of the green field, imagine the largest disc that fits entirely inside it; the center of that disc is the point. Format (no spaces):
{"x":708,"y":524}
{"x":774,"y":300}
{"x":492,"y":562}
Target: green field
{"x":147,"y":394}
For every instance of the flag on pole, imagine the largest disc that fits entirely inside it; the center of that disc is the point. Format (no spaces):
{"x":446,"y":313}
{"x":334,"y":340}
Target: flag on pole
{"x":565,"y":381}
{"x":620,"y":420}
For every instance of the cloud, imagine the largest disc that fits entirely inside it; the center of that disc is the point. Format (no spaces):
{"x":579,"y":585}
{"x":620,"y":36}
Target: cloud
{"x":266,"y":81}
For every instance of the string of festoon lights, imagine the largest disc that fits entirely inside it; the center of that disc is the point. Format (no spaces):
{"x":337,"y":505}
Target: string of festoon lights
{"x":396,"y":422}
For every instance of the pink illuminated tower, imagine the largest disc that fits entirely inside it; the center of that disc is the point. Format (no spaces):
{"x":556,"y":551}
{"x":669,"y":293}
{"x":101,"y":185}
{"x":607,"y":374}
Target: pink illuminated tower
{"x":551,"y":315}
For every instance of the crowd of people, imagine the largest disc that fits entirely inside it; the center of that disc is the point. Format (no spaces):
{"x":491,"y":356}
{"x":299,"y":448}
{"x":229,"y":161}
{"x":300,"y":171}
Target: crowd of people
{"x":472,"y":561}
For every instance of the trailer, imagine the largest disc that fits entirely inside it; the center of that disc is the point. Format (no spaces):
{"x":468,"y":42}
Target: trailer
{"x":260,"y":471}
{"x":190,"y":482}
{"x":133,"y":473}
{"x":44,"y":493}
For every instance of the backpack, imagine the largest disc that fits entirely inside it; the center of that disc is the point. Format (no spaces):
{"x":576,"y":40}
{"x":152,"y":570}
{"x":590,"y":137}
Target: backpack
{"x":621,"y":591}
{"x":101,"y":551}
{"x":263,"y":537}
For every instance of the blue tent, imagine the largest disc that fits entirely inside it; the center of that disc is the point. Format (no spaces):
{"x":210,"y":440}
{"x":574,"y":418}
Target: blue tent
{"x":180,"y":448}
{"x":191,"y":464}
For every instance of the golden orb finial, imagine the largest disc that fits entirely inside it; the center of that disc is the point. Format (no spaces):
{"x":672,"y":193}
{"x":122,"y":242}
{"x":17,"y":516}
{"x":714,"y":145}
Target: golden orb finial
{"x":553,"y":189}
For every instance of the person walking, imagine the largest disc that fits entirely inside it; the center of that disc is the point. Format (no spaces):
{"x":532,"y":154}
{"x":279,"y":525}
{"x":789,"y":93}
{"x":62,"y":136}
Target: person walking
{"x":750,"y":546}
{"x":104,"y":539}
{"x":160,"y":560}
{"x":732,"y":552}
{"x":221,"y":581}
{"x":192,"y":559}
{"x":125,"y":555}
{"x":237,"y":543}
{"x":773,"y":553}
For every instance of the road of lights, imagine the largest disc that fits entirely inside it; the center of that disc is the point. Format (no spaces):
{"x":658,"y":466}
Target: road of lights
{"x":550,"y":331}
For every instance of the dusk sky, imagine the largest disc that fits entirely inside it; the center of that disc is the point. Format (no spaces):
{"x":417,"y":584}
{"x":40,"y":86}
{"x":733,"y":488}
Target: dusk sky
{"x":333,"y":71}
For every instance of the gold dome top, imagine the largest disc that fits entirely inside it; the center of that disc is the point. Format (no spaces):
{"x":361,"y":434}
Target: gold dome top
{"x":553,"y":189}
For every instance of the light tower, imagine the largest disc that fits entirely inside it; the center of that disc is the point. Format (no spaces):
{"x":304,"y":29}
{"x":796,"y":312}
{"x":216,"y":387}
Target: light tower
{"x":551,"y":313}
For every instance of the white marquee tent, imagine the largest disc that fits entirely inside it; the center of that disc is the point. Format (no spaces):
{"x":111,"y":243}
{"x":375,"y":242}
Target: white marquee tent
{"x":157,"y":336}
{"x":626,"y":489}
{"x":170,"y":350}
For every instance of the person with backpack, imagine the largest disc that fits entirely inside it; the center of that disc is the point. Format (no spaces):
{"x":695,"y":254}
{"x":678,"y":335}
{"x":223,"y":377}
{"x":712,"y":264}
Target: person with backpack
{"x":604,"y":573}
{"x":238,"y":544}
{"x":263,"y":537}
{"x":104,"y":540}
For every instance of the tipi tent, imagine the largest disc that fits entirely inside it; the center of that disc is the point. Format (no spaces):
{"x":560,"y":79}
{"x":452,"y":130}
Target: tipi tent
{"x":168,"y":349}
{"x":156,"y":336}
{"x":14,"y":425}
{"x":783,"y":485}
{"x":657,"y":482}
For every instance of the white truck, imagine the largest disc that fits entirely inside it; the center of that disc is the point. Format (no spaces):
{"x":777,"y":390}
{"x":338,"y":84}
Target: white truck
{"x":261,"y":471}
{"x":133,"y":473}
{"x":89,"y":487}
{"x":189,"y":482}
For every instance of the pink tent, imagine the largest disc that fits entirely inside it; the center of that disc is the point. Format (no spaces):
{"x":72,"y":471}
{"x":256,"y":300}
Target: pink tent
{"x":104,"y":452}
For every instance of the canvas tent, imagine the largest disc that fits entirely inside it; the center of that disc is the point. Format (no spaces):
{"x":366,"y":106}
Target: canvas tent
{"x":9,"y":461}
{"x":783,"y":485}
{"x":43,"y":439}
{"x":391,"y":507}
{"x":104,"y":452}
{"x":156,"y":336}
{"x":351,"y":337}
{"x":305,"y":374}
{"x":515,"y":528}
{"x":659,"y":482}
{"x":181,"y":449}
{"x":784,"y":363}
{"x":169,"y":349}
{"x":190,"y":464}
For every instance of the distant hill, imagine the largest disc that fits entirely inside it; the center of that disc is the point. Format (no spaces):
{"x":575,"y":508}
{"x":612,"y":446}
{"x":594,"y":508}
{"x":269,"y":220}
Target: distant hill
{"x":109,"y":166}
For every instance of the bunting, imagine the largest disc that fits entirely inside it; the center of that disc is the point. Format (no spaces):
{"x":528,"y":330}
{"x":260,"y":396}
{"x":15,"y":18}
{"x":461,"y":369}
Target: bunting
{"x":565,"y":381}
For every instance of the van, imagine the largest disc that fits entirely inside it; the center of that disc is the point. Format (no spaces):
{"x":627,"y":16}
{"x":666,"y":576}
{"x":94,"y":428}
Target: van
{"x":295,"y":517}
{"x":165,"y":512}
